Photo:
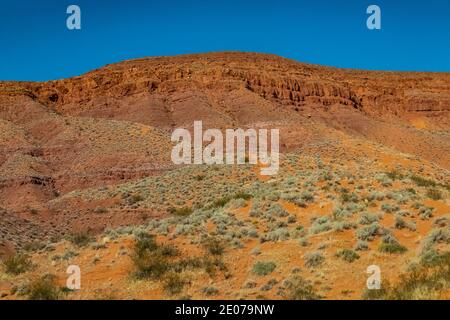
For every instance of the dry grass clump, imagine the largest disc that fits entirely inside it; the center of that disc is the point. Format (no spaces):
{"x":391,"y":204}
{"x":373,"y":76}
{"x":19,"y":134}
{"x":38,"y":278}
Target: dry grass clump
{"x":18,"y":264}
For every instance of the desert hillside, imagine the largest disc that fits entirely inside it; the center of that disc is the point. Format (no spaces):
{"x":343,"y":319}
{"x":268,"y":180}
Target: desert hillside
{"x":86,"y":178}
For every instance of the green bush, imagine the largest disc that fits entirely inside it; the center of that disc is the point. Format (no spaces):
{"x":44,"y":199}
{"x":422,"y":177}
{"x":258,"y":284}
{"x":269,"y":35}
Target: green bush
{"x":300,"y":289}
{"x":182,"y":212}
{"x":314,"y":259}
{"x":81,"y":239}
{"x":432,"y":258}
{"x":320,"y":225}
{"x":214,"y":246}
{"x":348,"y":255}
{"x":422,"y":182}
{"x":395,"y":175}
{"x":361,"y":245}
{"x":349,"y":197}
{"x":210,"y":291}
{"x":173,"y":284}
{"x":144,"y":242}
{"x":421,"y":283}
{"x":434,"y":194}
{"x":150,"y":259}
{"x":400,"y":223}
{"x":44,"y":288}
{"x":150,"y":265}
{"x":263,"y":268}
{"x":392,"y":247}
{"x":219,"y":203}
{"x":388,"y":208}
{"x":369,"y":232}
{"x":134,"y":198}
{"x":18,"y":264}
{"x":367,"y":218}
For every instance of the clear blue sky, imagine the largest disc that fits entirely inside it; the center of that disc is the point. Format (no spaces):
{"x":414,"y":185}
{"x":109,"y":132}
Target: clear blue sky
{"x":36,"y":45}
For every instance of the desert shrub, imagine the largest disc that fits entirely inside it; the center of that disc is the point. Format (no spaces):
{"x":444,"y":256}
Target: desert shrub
{"x":300,"y":289}
{"x":340,"y":213}
{"x":212,"y":265}
{"x":277,"y":235}
{"x":277,"y":210}
{"x":389,"y":244}
{"x":394,"y":175}
{"x":98,"y":246}
{"x":236,"y":203}
{"x":44,"y":288}
{"x":224,"y":200}
{"x":252,"y":233}
{"x":294,"y":198}
{"x":422,"y":182}
{"x":349,"y":197}
{"x":214,"y":246}
{"x":361,"y":245}
{"x":376,"y":294}
{"x":432,"y":258}
{"x":376,"y":195}
{"x":173,"y":283}
{"x":384,"y":180}
{"x":242,"y":195}
{"x":439,"y":236}
{"x":314,"y":259}
{"x":401,"y":196}
{"x":320,"y":225}
{"x":303,"y":242}
{"x":144,"y":242}
{"x":69,"y":254}
{"x":220,"y":202}
{"x":183,"y":229}
{"x":423,"y":282}
{"x":81,"y":239}
{"x":404,"y":213}
{"x":269,"y":285}
{"x":134,"y":198}
{"x":255,"y":209}
{"x":434,"y":194}
{"x":150,"y":259}
{"x":325,"y":175}
{"x":250,"y":285}
{"x":292,"y":219}
{"x":34,"y":246}
{"x":263,"y":268}
{"x":425,"y":212}
{"x":343,"y":225}
{"x":210,"y":291}
{"x":17,"y":264}
{"x":442,"y":221}
{"x":150,"y":265}
{"x":307,"y":196}
{"x":167,"y":250}
{"x":367,"y":218}
{"x":347,"y":255}
{"x":256,"y":251}
{"x":369,"y":232}
{"x":182,"y":212}
{"x":400,"y":223}
{"x":388,"y":208}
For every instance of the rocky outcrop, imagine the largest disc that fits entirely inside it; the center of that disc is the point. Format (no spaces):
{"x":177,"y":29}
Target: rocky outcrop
{"x":273,"y":78}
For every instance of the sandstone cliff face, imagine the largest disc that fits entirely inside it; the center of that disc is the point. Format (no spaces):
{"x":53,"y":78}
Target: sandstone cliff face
{"x":156,"y":82}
